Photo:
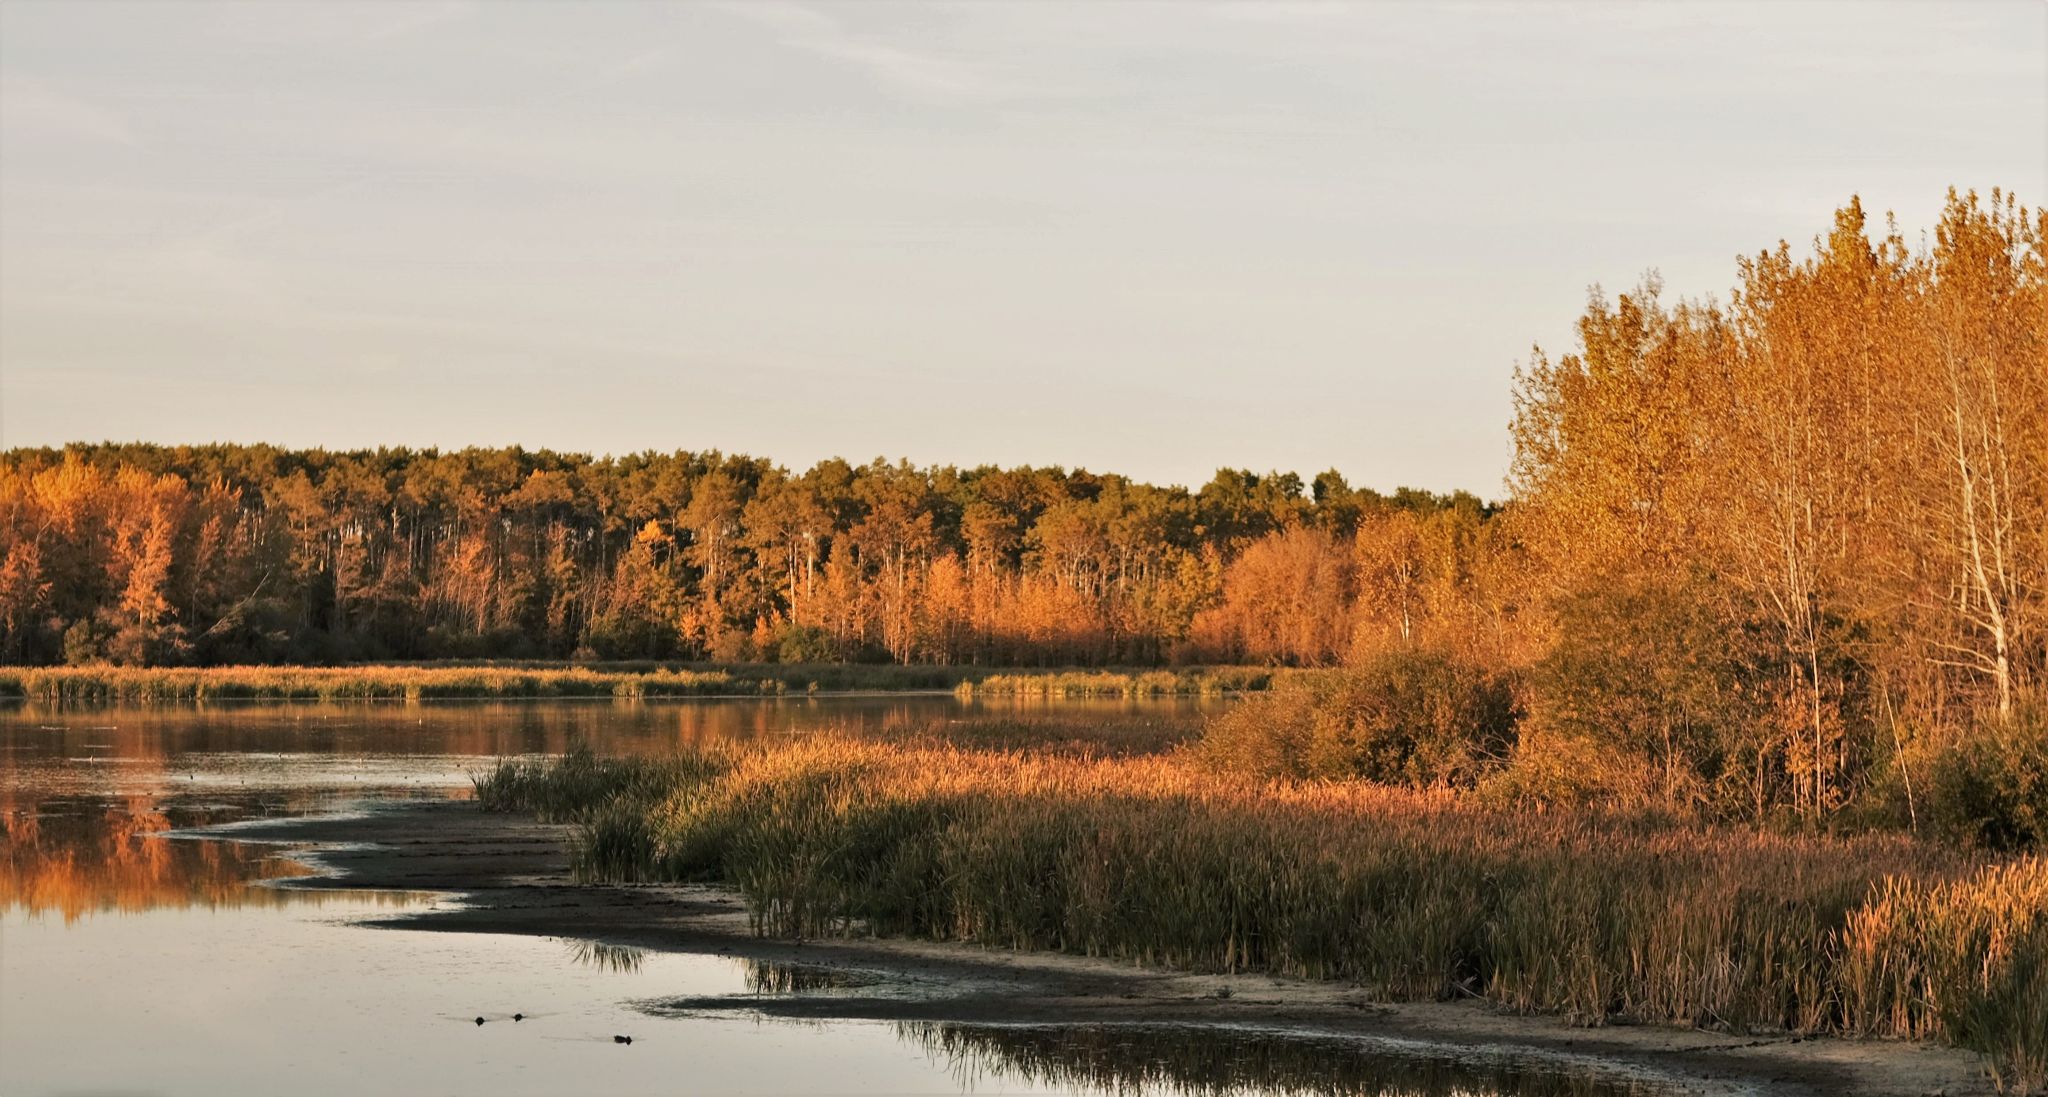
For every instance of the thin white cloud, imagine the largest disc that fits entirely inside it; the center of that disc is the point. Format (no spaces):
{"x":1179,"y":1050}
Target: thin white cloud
{"x":417,"y":18}
{"x":905,"y":69}
{"x":918,"y":71}
{"x":33,"y":108}
{"x":781,"y":16}
{"x":1282,"y":11}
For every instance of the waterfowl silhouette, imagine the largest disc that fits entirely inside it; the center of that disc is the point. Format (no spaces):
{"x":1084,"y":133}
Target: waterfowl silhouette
{"x":479,"y":1020}
{"x":519,"y":1017}
{"x":622,"y":1039}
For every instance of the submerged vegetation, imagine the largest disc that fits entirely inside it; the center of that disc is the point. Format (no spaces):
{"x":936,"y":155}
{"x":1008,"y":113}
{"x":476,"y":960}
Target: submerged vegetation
{"x":1157,"y":859}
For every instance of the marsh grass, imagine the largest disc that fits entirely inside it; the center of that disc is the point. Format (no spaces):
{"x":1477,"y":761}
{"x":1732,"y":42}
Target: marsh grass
{"x":370,"y":683}
{"x":1411,"y":895}
{"x":628,"y":680}
{"x":1083,"y":734}
{"x":573,"y":786}
{"x":1208,"y":681}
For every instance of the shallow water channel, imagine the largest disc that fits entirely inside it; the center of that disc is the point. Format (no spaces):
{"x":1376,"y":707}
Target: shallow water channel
{"x":138,"y":958}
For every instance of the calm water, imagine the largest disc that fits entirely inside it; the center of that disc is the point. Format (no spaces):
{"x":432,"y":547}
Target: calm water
{"x":136,"y":959}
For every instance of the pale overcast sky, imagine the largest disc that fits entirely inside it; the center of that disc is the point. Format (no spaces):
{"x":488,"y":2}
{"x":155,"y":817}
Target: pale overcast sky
{"x":1151,"y":239}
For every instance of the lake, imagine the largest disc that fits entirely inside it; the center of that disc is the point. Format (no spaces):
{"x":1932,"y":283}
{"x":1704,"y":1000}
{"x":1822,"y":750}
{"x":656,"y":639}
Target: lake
{"x":138,"y":957}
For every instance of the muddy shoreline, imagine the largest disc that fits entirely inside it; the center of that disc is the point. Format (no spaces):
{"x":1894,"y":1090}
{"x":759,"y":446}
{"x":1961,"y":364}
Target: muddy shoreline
{"x":514,"y":875}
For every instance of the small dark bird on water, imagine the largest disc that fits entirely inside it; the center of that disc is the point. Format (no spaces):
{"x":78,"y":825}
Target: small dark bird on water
{"x":519,"y":1016}
{"x":622,"y":1039}
{"x":479,"y":1020}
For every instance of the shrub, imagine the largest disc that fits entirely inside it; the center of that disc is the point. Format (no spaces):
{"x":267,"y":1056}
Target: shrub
{"x":1553,"y":769}
{"x":805,"y":644}
{"x":1991,"y":786}
{"x":1408,"y":718}
{"x":1668,"y":691}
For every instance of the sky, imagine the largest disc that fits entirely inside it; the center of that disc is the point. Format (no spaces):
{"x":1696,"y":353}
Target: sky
{"x":1148,"y":239}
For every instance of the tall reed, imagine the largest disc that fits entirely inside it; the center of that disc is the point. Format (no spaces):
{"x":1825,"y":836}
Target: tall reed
{"x":1414,"y":895}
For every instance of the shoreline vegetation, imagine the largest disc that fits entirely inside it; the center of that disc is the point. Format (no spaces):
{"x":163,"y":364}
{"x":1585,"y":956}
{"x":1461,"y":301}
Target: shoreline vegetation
{"x":102,"y":684}
{"x":1160,"y":860}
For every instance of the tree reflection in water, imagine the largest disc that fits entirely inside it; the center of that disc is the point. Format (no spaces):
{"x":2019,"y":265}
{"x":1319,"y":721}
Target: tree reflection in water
{"x":80,"y":856}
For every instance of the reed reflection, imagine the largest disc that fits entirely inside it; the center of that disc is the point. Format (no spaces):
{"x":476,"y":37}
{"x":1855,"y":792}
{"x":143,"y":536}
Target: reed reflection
{"x":1209,"y":1061}
{"x":622,"y":959}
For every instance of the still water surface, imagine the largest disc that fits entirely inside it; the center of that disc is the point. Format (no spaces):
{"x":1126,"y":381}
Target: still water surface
{"x":136,"y":958}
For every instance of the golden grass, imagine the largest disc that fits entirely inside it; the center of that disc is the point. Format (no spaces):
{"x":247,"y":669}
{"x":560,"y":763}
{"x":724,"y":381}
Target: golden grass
{"x":369,"y":683}
{"x":1416,"y":895}
{"x":1146,"y":683}
{"x":426,"y":682}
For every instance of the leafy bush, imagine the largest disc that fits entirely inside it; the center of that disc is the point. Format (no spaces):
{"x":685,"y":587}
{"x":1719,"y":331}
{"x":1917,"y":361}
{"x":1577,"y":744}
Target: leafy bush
{"x":1409,"y":718}
{"x":1991,"y":786}
{"x":1657,"y":691}
{"x":804,"y":644}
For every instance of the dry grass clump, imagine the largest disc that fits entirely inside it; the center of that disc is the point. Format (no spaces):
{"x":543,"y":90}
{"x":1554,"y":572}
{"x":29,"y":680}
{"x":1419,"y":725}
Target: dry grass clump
{"x":1962,"y":960}
{"x":1417,"y":895}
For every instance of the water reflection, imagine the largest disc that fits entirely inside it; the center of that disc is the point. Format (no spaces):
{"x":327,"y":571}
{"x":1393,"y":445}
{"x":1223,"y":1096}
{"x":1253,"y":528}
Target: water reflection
{"x":87,"y":794}
{"x":616,"y":958}
{"x":76,"y":856}
{"x":1215,"y":1061}
{"x":168,"y":736}
{"x":773,"y":977}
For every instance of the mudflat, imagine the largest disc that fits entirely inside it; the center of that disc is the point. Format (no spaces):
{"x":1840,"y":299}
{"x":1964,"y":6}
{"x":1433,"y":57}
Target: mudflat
{"x":514,"y":875}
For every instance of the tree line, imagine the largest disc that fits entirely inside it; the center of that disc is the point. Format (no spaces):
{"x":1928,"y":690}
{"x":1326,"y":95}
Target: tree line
{"x":151,"y":555}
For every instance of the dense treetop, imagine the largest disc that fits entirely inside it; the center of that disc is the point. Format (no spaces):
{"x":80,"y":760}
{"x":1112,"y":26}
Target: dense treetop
{"x":148,"y":553}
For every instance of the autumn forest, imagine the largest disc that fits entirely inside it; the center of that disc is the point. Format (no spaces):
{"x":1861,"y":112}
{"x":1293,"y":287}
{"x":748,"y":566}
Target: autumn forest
{"x":1756,"y":554}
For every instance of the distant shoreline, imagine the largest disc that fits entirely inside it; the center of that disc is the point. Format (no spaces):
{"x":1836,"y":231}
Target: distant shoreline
{"x":470,"y":681}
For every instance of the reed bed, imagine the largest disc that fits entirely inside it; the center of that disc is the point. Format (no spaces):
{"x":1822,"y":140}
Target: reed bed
{"x":369,"y":683}
{"x":568,"y":788}
{"x":1414,"y":895}
{"x":1207,"y":681}
{"x":414,"y":682}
